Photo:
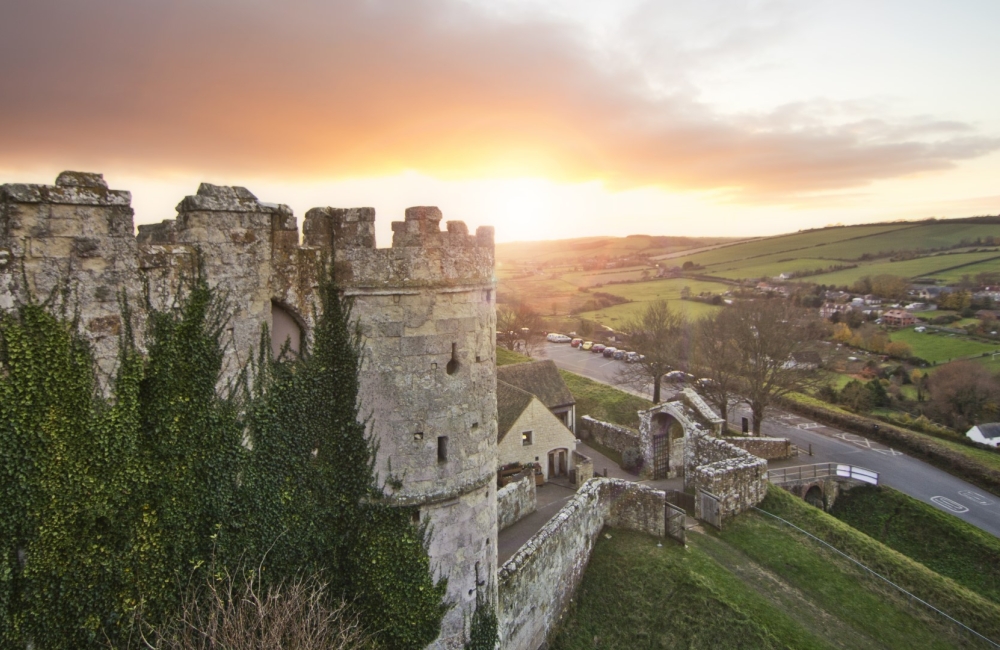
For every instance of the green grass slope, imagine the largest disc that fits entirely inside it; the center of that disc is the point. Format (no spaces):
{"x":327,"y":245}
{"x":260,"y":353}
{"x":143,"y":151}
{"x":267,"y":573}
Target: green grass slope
{"x":936,"y":539}
{"x":762,"y":584}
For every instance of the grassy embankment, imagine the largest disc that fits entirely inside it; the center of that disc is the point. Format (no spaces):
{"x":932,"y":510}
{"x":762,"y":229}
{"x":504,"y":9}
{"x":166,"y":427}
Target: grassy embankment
{"x":939,"y":541}
{"x":762,"y":584}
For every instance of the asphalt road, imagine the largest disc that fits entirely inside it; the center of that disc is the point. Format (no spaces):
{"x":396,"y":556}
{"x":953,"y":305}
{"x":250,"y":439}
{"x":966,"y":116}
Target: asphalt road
{"x":896,"y":469}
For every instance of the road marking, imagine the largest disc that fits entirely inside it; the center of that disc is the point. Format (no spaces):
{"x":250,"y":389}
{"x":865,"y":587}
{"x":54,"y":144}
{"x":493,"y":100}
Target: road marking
{"x":888,"y":452}
{"x":805,"y":426}
{"x":948,"y":504}
{"x":978,"y":498}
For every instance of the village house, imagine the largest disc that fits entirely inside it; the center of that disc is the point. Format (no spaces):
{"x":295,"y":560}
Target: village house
{"x":898,"y":318}
{"x":830,"y":308}
{"x":528,"y":432}
{"x":542,"y":379}
{"x":987,"y":434}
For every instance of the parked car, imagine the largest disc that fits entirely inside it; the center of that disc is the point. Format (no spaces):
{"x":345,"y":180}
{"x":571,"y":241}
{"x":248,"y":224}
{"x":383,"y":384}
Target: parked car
{"x":705,"y":382}
{"x":598,"y":348}
{"x":678,"y":376}
{"x":586,"y":346}
{"x":575,"y":343}
{"x":631,"y":357}
{"x":609,"y":352}
{"x":620,"y":354}
{"x":558,"y":338}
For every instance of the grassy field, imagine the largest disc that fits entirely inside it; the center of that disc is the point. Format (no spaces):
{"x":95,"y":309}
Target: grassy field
{"x":940,"y":347}
{"x":614,"y":316}
{"x":936,"y":539}
{"x":641,"y":293}
{"x":948,"y":277}
{"x":919,"y":267}
{"x":799,"y":242}
{"x":767,"y":269}
{"x":761,"y":584}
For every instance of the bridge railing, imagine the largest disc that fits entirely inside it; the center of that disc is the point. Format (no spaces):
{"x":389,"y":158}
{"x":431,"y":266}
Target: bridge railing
{"x":822,"y":470}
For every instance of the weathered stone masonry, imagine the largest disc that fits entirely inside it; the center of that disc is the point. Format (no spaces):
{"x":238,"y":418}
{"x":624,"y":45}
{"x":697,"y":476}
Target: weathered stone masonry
{"x":537,"y":583}
{"x":425,"y":306}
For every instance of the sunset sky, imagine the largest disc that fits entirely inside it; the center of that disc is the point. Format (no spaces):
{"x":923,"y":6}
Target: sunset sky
{"x":545,"y":118}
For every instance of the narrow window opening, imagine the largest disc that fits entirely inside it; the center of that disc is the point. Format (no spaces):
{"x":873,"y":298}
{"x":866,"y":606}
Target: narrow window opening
{"x":453,"y":364}
{"x":442,"y":449}
{"x":415,"y":516}
{"x":489,"y":295}
{"x":526,"y":438}
{"x":475,"y":426}
{"x":419,"y":435}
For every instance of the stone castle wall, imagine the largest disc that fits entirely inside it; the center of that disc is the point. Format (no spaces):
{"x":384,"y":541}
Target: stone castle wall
{"x":425,"y":306}
{"x":737,"y":477}
{"x":612,"y":436}
{"x":516,"y":500}
{"x":536,"y":584}
{"x":766,"y":448}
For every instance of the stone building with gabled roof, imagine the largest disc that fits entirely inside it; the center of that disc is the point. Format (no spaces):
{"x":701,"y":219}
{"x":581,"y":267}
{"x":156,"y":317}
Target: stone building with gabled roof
{"x":528,"y":432}
{"x":542,"y":379}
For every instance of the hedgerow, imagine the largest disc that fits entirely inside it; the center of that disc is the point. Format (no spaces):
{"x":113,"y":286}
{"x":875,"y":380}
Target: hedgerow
{"x":110,"y":506}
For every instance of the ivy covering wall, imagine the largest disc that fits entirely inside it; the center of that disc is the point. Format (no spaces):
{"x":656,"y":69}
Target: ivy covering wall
{"x":110,"y":507}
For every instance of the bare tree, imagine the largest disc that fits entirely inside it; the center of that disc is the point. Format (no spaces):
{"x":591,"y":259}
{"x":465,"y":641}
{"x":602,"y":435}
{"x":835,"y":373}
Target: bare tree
{"x":767,"y":335}
{"x":964,"y":393}
{"x":717,"y":358}
{"x":519,"y":328}
{"x":659,"y":335}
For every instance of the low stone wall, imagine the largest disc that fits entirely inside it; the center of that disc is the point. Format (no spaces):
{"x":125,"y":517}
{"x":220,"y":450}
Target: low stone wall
{"x":704,"y":411}
{"x":736,"y":476}
{"x":766,"y":448}
{"x":536,"y":584}
{"x":584,"y":468}
{"x":516,"y":500}
{"x":612,"y":436}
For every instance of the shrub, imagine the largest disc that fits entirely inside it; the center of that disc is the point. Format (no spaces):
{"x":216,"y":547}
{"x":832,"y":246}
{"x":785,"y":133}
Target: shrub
{"x":632,"y":459}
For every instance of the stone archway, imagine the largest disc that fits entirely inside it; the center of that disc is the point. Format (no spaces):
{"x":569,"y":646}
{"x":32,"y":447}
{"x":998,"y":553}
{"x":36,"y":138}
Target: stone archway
{"x":662,"y":435}
{"x":286,"y":327}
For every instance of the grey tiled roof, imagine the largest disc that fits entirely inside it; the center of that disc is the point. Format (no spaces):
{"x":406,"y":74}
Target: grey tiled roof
{"x":541,"y":379}
{"x":511,"y":402}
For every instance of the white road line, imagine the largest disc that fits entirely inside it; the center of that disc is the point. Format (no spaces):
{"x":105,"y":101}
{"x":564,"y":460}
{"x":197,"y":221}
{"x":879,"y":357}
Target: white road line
{"x":974,"y":496}
{"x":948,"y":504}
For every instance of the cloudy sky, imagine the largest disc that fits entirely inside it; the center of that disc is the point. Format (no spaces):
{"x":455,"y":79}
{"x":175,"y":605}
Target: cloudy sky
{"x":545,"y":118}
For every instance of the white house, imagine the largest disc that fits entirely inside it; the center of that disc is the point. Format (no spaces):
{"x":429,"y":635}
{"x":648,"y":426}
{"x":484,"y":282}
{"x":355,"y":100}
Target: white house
{"x":528,"y":432}
{"x":987,"y":434}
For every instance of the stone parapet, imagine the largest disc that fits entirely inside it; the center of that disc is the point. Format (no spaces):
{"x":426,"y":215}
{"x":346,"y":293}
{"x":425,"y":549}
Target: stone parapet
{"x":763,"y":447}
{"x":737,"y":477}
{"x":537,"y":583}
{"x":516,"y":500}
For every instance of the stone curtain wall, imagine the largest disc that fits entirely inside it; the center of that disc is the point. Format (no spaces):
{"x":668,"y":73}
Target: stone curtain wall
{"x":612,"y":436}
{"x":737,"y":477}
{"x":516,"y":500}
{"x":584,"y":468}
{"x":535,"y":585}
{"x":766,"y":448}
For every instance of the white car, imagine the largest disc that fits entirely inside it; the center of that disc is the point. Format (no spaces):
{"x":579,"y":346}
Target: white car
{"x":558,"y":338}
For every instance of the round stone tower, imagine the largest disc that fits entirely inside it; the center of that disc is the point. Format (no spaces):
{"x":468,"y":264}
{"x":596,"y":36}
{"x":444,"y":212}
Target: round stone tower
{"x":428,"y":381}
